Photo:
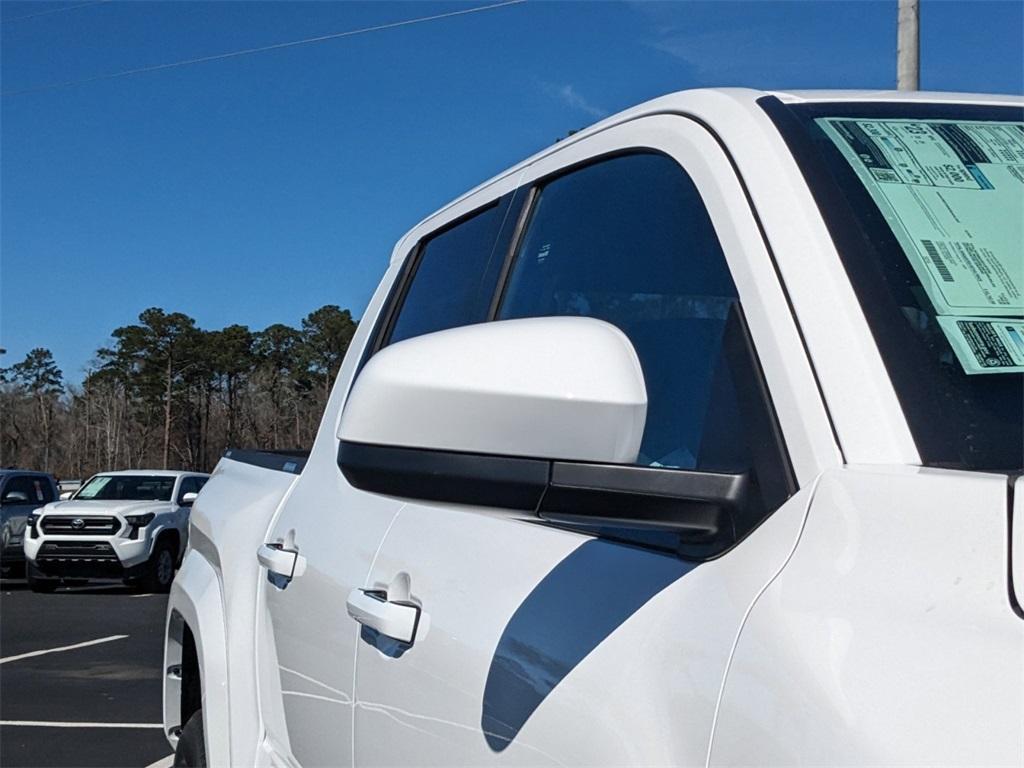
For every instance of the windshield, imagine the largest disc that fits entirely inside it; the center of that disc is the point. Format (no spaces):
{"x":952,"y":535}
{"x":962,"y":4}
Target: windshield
{"x":925,"y":203}
{"x":127,"y":488}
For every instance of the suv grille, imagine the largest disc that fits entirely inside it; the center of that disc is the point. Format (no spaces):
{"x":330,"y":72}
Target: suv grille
{"x":76,"y":551}
{"x":70,"y":525}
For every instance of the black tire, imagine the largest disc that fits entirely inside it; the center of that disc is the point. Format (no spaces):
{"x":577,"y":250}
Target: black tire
{"x":160,"y":568}
{"x":39,"y":583}
{"x":191,"y":749}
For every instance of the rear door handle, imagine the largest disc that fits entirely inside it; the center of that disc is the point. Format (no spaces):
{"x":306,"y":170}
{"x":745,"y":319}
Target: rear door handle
{"x":371,"y":608}
{"x":282,"y":564}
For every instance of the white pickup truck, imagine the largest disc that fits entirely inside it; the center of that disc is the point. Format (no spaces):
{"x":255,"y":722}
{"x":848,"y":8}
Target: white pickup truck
{"x":695,"y":439}
{"x":131,"y":525}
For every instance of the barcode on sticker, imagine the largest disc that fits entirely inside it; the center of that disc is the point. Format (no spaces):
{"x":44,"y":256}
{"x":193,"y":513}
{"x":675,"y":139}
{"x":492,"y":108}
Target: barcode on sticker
{"x":940,"y":265}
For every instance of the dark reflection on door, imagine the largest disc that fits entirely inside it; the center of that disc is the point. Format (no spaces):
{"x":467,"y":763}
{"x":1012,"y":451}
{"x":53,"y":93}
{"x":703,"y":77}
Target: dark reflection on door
{"x":567,"y":615}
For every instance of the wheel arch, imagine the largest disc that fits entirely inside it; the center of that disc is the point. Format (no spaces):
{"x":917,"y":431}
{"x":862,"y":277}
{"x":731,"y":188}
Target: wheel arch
{"x":195,"y":658}
{"x":174,"y":537}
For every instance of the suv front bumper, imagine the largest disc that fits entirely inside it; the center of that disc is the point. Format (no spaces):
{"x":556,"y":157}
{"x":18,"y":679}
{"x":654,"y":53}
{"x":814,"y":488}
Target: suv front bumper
{"x":96,"y":559}
{"x":110,"y":556}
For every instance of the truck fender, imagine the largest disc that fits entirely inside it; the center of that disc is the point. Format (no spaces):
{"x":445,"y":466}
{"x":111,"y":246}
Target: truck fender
{"x":195,"y":607}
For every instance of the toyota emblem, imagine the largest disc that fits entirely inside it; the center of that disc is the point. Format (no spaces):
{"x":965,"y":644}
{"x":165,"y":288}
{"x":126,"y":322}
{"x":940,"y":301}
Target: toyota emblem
{"x":78,"y":523}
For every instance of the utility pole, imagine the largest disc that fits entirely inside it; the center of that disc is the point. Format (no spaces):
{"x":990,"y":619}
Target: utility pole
{"x":908,"y":57}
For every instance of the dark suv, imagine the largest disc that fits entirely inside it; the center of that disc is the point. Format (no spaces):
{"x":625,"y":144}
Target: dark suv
{"x":21,"y":493}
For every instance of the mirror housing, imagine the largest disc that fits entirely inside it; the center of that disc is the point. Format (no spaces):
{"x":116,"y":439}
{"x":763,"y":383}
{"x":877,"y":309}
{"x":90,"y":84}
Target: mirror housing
{"x":188,"y":499}
{"x":66,"y":495}
{"x":568,"y":388}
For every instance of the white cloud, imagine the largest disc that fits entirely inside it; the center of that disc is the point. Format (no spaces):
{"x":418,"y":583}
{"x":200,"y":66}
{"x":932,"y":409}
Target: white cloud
{"x":572,"y":98}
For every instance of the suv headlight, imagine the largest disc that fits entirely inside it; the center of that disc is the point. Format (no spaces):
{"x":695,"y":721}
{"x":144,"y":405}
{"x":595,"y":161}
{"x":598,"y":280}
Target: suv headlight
{"x":137,"y":522}
{"x":32,"y":524}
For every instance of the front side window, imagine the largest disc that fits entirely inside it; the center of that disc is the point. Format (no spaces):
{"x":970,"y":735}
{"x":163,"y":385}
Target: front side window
{"x":455,"y":273}
{"x":629,"y":241}
{"x":188,"y":485}
{"x":127,"y":488}
{"x":926,"y":205}
{"x":27,"y":489}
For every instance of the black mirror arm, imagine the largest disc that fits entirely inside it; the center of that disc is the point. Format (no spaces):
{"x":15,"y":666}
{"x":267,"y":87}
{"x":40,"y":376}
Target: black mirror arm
{"x":696,"y":504}
{"x":703,"y":507}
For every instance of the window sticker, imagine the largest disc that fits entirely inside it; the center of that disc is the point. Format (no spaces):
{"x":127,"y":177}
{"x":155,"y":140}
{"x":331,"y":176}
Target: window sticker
{"x":953,"y":193}
{"x":94,"y":487}
{"x":986,"y":344}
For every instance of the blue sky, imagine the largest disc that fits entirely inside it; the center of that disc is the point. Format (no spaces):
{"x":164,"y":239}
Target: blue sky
{"x":255,"y":189}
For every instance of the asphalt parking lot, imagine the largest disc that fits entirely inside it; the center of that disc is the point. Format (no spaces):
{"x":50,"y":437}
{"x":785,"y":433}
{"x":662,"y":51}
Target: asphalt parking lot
{"x":95,"y":704}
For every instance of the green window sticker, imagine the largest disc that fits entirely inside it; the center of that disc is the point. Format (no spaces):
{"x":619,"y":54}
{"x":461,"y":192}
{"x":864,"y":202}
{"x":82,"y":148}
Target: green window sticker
{"x":952,"y":192}
{"x":91,"y":489}
{"x":986,"y":344}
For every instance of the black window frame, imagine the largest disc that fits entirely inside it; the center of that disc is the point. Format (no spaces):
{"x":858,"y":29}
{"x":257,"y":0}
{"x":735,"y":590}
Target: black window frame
{"x":529,"y":195}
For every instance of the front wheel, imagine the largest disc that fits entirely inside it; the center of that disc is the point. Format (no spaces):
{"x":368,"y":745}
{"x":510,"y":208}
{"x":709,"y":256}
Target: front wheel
{"x":160,"y":569}
{"x":191,"y":749}
{"x":37,"y":582}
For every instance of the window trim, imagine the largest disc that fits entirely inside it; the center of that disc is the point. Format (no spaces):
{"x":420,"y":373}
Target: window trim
{"x":395,"y":299}
{"x":522,"y":224}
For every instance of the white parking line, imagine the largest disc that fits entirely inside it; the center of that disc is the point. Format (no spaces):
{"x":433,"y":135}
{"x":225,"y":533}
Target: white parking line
{"x":165,"y":762}
{"x":62,"y":648}
{"x":49,"y":724}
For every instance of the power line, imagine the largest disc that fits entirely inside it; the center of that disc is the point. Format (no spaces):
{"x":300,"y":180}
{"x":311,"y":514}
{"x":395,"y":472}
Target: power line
{"x":262,"y":49}
{"x":54,"y":10}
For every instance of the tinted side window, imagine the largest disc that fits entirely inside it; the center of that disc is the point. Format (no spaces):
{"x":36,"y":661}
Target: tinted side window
{"x":629,"y":241}
{"x":188,"y":485}
{"x":456,"y":273}
{"x":36,"y":489}
{"x":44,"y":489}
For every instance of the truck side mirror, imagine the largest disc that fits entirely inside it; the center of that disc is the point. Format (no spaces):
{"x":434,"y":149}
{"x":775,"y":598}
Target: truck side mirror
{"x":543,"y":415}
{"x":188,"y":499}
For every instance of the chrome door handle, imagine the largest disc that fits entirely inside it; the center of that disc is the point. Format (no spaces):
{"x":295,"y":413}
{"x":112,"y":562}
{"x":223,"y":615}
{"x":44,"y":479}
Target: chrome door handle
{"x":371,"y":608}
{"x":282,"y":564}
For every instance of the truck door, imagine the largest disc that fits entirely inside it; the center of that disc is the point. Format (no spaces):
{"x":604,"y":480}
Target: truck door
{"x":324,"y":539}
{"x":538,"y":644}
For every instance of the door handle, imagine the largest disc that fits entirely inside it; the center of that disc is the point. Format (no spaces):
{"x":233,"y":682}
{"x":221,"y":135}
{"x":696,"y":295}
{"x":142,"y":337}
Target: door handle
{"x":282,"y":564}
{"x":395,"y":619}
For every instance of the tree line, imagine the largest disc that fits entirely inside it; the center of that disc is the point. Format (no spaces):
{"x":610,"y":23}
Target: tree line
{"x":168,"y":394}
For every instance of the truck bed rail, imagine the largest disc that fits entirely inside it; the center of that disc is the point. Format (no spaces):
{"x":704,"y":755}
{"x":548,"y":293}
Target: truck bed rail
{"x":281,"y":461}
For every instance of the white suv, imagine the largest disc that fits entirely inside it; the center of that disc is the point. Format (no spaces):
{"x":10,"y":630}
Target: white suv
{"x":131,"y":525}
